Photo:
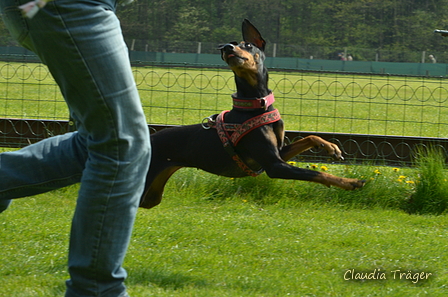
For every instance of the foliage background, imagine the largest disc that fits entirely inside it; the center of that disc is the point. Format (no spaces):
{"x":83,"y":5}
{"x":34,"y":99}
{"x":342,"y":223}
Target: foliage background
{"x":375,"y":24}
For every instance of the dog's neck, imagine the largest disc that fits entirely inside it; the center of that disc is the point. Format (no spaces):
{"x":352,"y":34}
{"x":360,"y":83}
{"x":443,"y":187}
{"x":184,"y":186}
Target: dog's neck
{"x":248,"y":91}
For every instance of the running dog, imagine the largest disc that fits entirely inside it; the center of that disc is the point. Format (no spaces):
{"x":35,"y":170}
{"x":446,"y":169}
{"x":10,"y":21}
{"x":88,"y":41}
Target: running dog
{"x":244,"y":141}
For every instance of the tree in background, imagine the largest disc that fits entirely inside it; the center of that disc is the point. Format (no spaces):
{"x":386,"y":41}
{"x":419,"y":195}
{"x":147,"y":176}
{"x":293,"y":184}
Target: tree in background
{"x":392,"y":27}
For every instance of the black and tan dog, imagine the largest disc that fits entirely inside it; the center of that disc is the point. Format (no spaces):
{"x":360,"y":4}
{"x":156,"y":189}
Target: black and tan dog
{"x":244,"y":141}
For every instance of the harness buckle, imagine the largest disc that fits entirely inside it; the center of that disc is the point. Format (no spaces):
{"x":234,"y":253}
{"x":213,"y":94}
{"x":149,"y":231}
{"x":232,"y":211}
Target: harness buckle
{"x":264,"y":103}
{"x":205,"y":123}
{"x":209,"y":122}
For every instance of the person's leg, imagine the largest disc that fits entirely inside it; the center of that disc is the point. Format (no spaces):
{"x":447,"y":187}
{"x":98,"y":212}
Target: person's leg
{"x":82,"y":45}
{"x":50,"y":164}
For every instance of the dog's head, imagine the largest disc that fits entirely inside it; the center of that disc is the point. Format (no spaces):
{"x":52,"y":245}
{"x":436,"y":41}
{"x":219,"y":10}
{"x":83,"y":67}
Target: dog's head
{"x":245,"y":58}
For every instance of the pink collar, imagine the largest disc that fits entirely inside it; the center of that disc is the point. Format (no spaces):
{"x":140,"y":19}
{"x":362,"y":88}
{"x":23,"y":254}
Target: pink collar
{"x":255,"y":103}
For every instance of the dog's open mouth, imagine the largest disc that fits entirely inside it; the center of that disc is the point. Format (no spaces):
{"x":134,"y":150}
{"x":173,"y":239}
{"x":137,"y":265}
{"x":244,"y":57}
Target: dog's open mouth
{"x":236,"y":56}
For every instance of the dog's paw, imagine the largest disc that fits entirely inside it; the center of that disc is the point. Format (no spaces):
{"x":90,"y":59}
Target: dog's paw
{"x":332,"y":150}
{"x":338,"y":157}
{"x":349,"y":183}
{"x":357,"y":184}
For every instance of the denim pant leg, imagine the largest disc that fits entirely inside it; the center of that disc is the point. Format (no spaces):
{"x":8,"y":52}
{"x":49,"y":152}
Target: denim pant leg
{"x":82,"y":45}
{"x":50,"y":164}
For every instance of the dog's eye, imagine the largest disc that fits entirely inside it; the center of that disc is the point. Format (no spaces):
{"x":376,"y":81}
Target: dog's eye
{"x":248,"y":45}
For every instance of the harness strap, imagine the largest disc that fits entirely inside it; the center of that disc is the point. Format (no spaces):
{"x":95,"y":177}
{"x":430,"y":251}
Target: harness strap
{"x":229,"y":141}
{"x":253,"y":123}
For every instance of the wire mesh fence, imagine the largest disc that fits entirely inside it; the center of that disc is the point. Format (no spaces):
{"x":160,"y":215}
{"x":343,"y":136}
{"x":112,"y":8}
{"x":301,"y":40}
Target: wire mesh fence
{"x":28,"y":91}
{"x":372,"y":117}
{"x":308,"y":101}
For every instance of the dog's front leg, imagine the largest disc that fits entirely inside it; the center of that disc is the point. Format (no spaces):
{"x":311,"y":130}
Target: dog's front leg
{"x":341,"y":182}
{"x":304,"y":144}
{"x":285,"y":171}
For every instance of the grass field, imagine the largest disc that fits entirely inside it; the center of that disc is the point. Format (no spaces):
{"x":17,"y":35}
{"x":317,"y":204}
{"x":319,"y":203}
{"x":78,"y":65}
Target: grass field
{"x":362,"y":104}
{"x":215,"y":236}
{"x":256,"y":241}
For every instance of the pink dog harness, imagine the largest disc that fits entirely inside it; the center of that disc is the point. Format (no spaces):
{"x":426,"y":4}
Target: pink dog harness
{"x":230,"y":134}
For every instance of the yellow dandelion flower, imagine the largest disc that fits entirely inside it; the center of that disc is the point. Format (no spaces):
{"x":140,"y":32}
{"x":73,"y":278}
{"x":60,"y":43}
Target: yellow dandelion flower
{"x":292,"y":163}
{"x":244,"y":200}
{"x":401,"y":177}
{"x":377,"y":171}
{"x":410,"y":182}
{"x":324,"y":168}
{"x":396,"y":169}
{"x":400,"y":180}
{"x":313,"y":166}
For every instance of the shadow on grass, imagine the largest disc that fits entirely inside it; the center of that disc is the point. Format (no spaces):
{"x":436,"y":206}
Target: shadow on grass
{"x":167,"y":280}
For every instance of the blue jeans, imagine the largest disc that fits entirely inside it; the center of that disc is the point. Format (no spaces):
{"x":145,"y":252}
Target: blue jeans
{"x":82,"y":45}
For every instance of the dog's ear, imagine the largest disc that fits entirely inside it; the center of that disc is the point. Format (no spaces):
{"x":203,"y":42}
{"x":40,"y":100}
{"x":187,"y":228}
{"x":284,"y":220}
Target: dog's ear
{"x":252,"y":35}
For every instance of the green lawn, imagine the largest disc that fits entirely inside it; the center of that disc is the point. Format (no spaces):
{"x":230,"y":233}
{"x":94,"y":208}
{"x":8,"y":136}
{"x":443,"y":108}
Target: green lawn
{"x":204,"y":241}
{"x":215,"y":236}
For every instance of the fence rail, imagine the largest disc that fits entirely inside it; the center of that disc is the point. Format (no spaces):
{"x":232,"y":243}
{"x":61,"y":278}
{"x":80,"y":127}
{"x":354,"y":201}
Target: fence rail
{"x":373,"y":118}
{"x":356,"y":148}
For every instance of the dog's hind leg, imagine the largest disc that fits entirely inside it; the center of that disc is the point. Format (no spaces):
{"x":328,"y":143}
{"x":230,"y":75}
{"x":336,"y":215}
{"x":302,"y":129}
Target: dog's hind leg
{"x":304,"y":144}
{"x":155,"y":185}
